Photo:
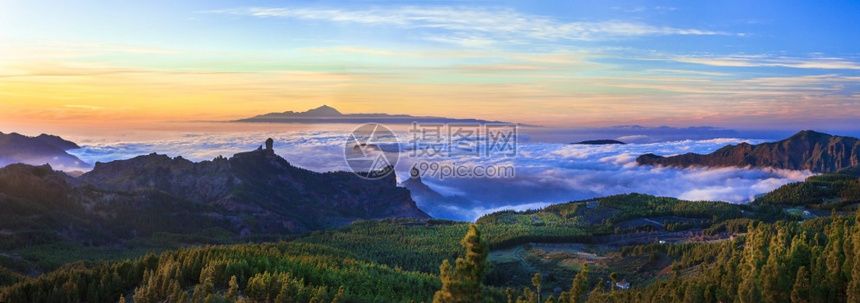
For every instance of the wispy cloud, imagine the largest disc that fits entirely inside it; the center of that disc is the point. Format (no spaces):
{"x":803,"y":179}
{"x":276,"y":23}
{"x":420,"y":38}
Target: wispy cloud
{"x":84,"y":106}
{"x":53,"y":49}
{"x":476,"y":27}
{"x":771,"y":61}
{"x":751,"y":87}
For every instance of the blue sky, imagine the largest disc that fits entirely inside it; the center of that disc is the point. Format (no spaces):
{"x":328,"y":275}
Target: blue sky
{"x":740,"y":64}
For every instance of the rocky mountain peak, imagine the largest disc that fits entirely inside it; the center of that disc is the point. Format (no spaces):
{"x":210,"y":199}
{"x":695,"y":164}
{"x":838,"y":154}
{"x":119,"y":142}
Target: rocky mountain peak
{"x":323,"y":111}
{"x":265,"y":184}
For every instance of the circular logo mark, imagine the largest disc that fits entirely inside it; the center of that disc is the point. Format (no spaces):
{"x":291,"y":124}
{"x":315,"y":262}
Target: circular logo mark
{"x":371,"y":151}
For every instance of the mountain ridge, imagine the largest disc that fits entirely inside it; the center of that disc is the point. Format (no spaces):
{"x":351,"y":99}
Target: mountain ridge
{"x":42,"y":149}
{"x":806,"y":150}
{"x":262,"y":181}
{"x":251,"y":196}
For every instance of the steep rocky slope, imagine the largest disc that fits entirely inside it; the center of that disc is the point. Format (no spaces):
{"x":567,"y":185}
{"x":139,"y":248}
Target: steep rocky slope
{"x":250,"y":194}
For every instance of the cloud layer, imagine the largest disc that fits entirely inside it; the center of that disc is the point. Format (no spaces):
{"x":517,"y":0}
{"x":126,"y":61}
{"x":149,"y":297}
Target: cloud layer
{"x":553,"y":173}
{"x":545,"y":173}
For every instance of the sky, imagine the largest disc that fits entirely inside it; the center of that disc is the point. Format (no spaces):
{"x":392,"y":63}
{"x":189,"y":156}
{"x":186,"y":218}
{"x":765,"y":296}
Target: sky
{"x":111,"y":65}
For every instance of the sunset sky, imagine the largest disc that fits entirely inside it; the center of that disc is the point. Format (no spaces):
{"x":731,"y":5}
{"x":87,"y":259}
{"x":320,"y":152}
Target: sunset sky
{"x":737,"y":64}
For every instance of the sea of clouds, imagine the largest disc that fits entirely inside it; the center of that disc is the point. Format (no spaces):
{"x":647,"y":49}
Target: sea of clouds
{"x":546,"y":173}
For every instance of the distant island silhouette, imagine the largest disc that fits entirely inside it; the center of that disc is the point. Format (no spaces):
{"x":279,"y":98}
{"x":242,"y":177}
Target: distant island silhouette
{"x":328,"y":114}
{"x":599,"y":142}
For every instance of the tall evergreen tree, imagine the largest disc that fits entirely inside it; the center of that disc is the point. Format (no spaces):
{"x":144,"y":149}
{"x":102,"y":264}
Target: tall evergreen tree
{"x":232,"y":290}
{"x":800,"y":291}
{"x":536,"y":282}
{"x":835,"y":257}
{"x":449,"y":284}
{"x":465,"y":282}
{"x":773,"y":278}
{"x":580,"y":285}
{"x":853,"y":291}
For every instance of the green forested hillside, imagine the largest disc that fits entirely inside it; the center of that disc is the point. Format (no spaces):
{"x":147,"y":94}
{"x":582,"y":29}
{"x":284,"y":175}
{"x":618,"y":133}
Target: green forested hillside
{"x":278,"y":272}
{"x":421,"y":245}
{"x":570,"y":252}
{"x":830,"y":191}
{"x":813,"y":261}
{"x":604,"y":215}
{"x":817,"y":261}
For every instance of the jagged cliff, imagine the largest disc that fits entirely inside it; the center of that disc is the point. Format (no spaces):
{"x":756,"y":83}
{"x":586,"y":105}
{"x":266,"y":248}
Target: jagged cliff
{"x":263,"y":184}
{"x":431,"y":200}
{"x":251,"y":193}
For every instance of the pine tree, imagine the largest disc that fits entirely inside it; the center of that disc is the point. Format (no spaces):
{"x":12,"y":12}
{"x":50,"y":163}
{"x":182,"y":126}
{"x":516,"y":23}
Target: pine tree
{"x":774,"y":281}
{"x":848,"y":252}
{"x":800,"y":290}
{"x":834,"y":259}
{"x":93,"y":292}
{"x":800,"y":252}
{"x":473,"y":268}
{"x":465,"y":282}
{"x":446,"y":294}
{"x":853,"y":292}
{"x":528,"y":296}
{"x":580,"y":285}
{"x":597,"y":290}
{"x":753,"y":258}
{"x":747,"y":290}
{"x":563,"y":297}
{"x":176,"y":292}
{"x":818,"y":286}
{"x":691,"y":294}
{"x":203,"y":290}
{"x":232,"y":290}
{"x":339,"y":297}
{"x":536,"y":282}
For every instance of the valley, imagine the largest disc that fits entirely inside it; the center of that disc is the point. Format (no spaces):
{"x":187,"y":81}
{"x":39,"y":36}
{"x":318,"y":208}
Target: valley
{"x":214,"y":240}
